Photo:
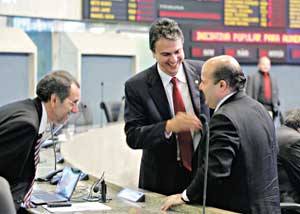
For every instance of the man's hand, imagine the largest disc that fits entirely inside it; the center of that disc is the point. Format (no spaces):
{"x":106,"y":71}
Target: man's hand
{"x":172,"y":201}
{"x":183,"y":122}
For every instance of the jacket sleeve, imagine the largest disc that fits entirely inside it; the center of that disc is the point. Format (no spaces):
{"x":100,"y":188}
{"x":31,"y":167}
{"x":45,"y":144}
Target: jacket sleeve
{"x":250,"y":86}
{"x":224,"y":143}
{"x":141,"y":132}
{"x":16,"y":144}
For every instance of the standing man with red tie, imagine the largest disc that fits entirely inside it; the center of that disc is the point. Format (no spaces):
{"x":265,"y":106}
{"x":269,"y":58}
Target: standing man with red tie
{"x":262,"y":86}
{"x":161,"y":104}
{"x":21,"y":125}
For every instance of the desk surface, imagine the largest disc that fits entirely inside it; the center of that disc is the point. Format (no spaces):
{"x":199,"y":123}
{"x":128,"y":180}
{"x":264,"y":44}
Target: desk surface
{"x":94,"y":143}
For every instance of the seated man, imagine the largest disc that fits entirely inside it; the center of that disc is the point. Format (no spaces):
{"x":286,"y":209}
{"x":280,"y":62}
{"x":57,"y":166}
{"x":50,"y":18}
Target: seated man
{"x":289,"y":157}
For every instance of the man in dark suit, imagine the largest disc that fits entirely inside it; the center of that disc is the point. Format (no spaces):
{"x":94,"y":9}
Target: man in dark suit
{"x":242,"y":172}
{"x":151,"y":123}
{"x":22,"y":122}
{"x":262,"y":86}
{"x":289,"y":157}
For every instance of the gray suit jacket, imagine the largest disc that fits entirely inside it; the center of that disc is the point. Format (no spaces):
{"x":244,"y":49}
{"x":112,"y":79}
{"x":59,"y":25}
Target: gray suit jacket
{"x":254,"y":82}
{"x":242,"y":167}
{"x":146,"y":112}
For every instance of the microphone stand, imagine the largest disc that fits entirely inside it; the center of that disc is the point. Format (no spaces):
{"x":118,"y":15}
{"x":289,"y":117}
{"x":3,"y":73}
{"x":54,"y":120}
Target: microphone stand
{"x":95,"y":188}
{"x":101,"y":97}
{"x":53,"y":131}
{"x":206,"y":163}
{"x":54,"y":144}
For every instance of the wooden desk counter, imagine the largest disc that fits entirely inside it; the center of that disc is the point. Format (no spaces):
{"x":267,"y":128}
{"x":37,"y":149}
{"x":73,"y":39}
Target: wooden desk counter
{"x":104,"y":149}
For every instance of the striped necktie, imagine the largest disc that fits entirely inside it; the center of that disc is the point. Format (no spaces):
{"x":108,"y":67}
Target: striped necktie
{"x":184,"y":138}
{"x":26,"y":201}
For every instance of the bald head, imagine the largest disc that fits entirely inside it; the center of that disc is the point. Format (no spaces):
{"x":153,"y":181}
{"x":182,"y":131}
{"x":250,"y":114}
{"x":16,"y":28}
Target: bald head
{"x":226,"y":68}
{"x":264,"y":64}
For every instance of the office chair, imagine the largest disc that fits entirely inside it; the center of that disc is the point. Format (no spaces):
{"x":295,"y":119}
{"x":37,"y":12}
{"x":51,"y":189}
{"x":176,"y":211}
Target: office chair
{"x":83,"y":117}
{"x":6,"y":201}
{"x":290,"y":208}
{"x":122,"y":110}
{"x":111,"y":110}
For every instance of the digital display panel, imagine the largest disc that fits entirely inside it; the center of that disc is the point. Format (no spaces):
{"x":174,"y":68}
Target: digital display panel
{"x":242,"y":28}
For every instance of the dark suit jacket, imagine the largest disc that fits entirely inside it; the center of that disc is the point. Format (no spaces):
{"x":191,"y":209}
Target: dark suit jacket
{"x":146,"y":112}
{"x":19,"y":125}
{"x":242,"y":172}
{"x":254,"y":82}
{"x":289,"y":163}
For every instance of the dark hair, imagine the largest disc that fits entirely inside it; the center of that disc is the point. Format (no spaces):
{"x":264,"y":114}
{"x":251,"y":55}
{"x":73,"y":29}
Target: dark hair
{"x":56,"y":82}
{"x":292,"y":119}
{"x":232,"y":73}
{"x":164,"y":28}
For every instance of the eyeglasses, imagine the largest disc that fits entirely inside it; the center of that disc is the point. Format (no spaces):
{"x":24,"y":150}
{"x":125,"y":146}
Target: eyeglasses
{"x":73,"y":103}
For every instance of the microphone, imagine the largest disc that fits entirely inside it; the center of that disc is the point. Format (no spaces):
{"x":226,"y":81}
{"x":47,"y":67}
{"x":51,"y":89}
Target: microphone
{"x":205,"y":133}
{"x":103,"y":188}
{"x":101,"y":100}
{"x":96,"y":184}
{"x":53,"y":131}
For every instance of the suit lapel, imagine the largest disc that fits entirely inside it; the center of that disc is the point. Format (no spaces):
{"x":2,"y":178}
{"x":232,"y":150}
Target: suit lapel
{"x":38,"y":104}
{"x":193,"y":80}
{"x":158,"y":94}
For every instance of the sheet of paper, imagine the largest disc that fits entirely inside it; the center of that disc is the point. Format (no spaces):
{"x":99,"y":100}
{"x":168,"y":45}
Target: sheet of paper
{"x":84,"y":206}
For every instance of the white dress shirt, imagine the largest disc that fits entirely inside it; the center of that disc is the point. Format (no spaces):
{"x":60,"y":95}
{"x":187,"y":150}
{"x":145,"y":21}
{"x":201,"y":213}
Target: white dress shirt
{"x":44,"y":120}
{"x":184,"y":90}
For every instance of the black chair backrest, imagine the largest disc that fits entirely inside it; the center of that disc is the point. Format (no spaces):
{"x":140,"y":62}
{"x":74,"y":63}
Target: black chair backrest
{"x":83,"y":117}
{"x":111,"y":110}
{"x":6,"y":200}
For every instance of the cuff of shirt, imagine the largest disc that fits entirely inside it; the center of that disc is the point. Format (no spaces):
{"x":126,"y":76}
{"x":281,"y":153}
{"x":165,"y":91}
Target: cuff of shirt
{"x":184,"y":196}
{"x":168,"y":135}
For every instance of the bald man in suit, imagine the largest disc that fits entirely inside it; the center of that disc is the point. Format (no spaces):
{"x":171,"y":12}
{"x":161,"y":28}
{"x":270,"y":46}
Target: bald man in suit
{"x":242,"y":167}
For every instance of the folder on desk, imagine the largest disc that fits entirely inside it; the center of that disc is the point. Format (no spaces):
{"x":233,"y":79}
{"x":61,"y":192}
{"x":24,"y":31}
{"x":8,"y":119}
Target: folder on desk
{"x":64,"y":189}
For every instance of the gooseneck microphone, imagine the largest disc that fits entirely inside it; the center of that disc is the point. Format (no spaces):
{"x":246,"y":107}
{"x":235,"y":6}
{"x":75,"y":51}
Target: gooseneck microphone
{"x":204,"y":121}
{"x":101,"y":187}
{"x":96,"y":186}
{"x":53,"y":131}
{"x":101,"y":100}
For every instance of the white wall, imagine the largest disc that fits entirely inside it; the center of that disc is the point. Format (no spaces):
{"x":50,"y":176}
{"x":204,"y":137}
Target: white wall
{"x":54,"y":9}
{"x":68,"y":48}
{"x":16,"y":41}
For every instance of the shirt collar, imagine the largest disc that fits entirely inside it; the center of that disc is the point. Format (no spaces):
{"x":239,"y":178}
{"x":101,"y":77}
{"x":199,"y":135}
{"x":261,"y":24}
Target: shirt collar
{"x":223,"y":100}
{"x":44,"y":119}
{"x":166,"y":79}
{"x":264,"y":73}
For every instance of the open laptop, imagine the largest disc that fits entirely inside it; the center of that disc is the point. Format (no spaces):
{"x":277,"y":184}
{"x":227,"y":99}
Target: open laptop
{"x":64,"y":189}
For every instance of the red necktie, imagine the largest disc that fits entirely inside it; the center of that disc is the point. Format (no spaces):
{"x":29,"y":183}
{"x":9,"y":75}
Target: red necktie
{"x":267,"y":86}
{"x":26,"y":201}
{"x":184,"y":138}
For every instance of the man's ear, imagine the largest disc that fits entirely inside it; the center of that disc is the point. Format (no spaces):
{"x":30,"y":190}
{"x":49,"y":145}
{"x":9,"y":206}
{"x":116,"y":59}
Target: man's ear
{"x":53,"y":99}
{"x":153,"y":54}
{"x":223,"y":84}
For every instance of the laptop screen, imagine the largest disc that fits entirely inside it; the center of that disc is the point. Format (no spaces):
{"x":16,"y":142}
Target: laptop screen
{"x":68,"y":182}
